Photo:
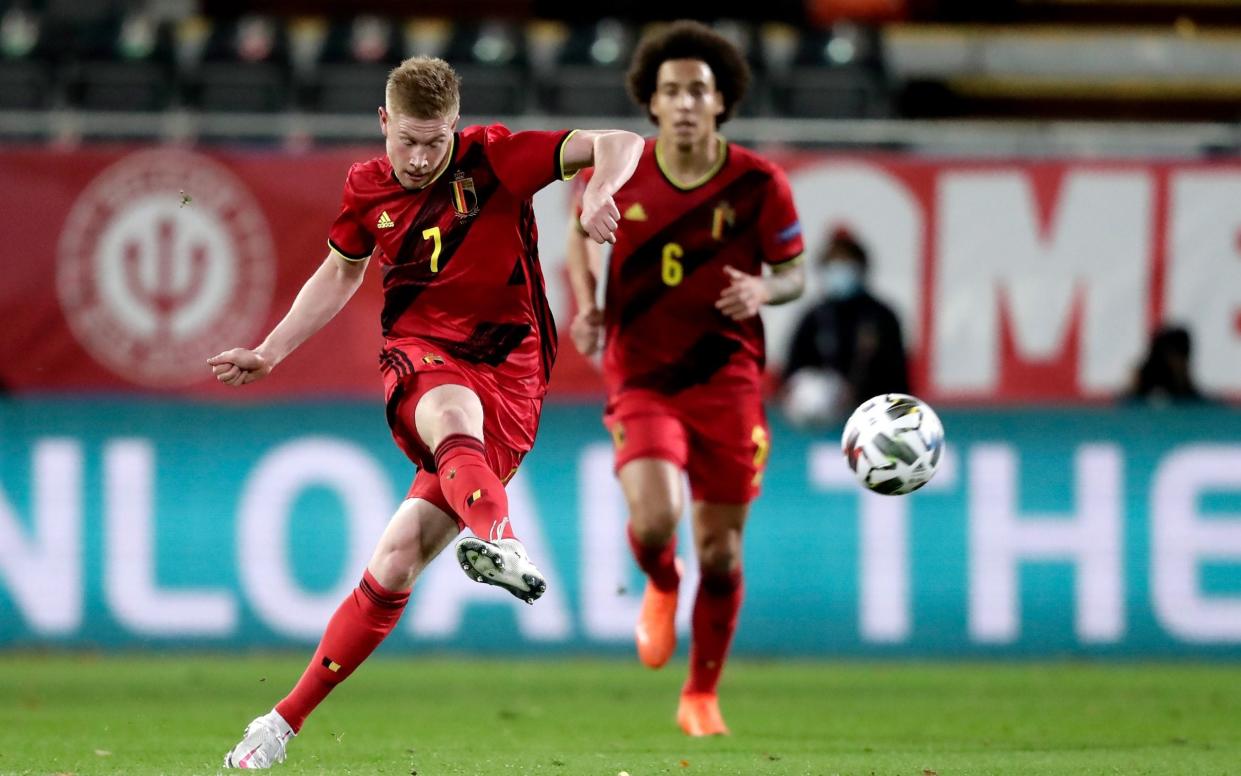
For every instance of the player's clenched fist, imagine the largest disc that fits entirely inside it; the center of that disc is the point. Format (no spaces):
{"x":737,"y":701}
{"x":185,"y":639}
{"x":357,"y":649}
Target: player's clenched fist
{"x":587,"y":331}
{"x":600,"y":216}
{"x":239,"y":366}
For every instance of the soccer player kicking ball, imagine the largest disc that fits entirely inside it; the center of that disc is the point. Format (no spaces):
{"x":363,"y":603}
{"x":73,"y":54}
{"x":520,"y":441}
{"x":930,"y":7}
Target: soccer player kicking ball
{"x":469,"y":342}
{"x":684,"y":351}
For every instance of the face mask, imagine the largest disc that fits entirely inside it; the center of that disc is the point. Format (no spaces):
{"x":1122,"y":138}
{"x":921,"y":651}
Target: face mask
{"x":840,"y":279}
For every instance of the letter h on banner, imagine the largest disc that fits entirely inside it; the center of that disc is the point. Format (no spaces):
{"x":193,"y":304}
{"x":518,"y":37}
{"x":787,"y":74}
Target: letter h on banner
{"x":1000,"y":538}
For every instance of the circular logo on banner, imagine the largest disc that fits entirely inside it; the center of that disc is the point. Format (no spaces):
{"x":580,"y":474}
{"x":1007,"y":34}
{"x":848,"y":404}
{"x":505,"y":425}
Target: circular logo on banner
{"x":164,"y":261}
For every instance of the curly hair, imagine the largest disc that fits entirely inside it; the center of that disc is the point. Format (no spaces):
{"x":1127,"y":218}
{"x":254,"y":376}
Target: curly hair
{"x":425,"y":88}
{"x":689,"y":40}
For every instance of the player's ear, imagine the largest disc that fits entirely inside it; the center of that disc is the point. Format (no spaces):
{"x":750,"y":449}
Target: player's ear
{"x":383,"y":120}
{"x":455,"y":120}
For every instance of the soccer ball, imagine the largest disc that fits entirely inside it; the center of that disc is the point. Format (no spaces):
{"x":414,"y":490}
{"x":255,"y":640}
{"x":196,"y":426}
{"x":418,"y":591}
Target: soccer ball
{"x":893,"y":443}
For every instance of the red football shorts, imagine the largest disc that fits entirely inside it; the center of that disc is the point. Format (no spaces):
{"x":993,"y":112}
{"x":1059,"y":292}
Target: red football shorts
{"x":719,"y":438}
{"x":411,"y":369}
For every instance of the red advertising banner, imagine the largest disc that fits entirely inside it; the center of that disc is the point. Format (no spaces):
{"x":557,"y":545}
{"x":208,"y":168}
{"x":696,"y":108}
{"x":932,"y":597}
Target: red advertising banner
{"x":126,"y":267}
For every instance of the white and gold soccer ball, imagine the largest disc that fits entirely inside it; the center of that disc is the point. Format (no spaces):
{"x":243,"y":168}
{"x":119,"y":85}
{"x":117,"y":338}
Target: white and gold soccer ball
{"x":893,"y":443}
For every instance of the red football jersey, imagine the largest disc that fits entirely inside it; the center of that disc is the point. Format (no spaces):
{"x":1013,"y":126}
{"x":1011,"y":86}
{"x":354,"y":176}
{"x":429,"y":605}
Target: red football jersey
{"x":459,"y":257}
{"x":666,"y":272}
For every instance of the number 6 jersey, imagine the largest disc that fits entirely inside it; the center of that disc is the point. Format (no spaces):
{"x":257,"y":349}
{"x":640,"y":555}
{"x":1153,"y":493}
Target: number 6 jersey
{"x":667,"y":271}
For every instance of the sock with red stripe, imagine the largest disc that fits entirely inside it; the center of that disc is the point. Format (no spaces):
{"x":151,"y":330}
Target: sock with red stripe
{"x":472,"y":489}
{"x":714,"y":622}
{"x":365,"y":618}
{"x":658,"y":562}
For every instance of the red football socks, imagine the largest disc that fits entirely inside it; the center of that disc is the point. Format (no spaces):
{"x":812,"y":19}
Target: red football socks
{"x":363,"y":620}
{"x":472,"y":489}
{"x":714,"y":622}
{"x":658,"y":562}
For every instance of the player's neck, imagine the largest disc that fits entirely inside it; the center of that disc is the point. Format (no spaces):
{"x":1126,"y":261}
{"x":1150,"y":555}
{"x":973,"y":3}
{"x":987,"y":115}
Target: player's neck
{"x":687,"y":165}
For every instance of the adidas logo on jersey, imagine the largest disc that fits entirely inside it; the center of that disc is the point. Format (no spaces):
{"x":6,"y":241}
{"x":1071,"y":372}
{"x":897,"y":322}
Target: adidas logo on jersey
{"x":635,"y":212}
{"x":385,"y":222}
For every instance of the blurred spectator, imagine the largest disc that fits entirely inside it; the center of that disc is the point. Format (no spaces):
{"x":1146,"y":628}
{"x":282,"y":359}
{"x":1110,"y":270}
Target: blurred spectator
{"x":1164,"y":376}
{"x":848,"y":347}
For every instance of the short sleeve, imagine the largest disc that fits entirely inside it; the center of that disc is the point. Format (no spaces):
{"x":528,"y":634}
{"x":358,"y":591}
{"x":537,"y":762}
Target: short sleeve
{"x":347,"y":237}
{"x":779,"y":226}
{"x":526,"y":161}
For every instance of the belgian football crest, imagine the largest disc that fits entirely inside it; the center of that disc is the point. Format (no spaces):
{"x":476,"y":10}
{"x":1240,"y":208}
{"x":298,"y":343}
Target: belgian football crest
{"x":722,"y":220}
{"x":464,"y":197}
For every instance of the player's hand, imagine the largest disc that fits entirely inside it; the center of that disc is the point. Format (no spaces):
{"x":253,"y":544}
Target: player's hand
{"x":587,"y":331}
{"x":239,"y":366}
{"x":600,"y":216}
{"x":745,"y":296}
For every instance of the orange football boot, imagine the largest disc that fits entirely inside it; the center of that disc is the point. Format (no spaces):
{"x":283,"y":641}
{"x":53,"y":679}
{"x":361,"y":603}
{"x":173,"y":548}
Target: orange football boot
{"x":656,"y":632}
{"x":698,"y":714}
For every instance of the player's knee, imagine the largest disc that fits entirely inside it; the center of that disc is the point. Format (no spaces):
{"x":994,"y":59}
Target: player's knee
{"x":719,"y":553}
{"x":454,"y":420}
{"x":653,"y":523}
{"x":395,"y":565}
{"x":393,"y":571}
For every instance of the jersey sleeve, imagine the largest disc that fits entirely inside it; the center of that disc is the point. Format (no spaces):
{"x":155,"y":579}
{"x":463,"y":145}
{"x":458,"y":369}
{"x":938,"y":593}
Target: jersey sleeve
{"x":779,"y":226}
{"x":526,"y":161}
{"x":348,"y":238}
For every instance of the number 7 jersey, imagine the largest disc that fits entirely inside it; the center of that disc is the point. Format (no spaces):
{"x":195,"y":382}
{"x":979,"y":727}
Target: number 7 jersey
{"x":666,"y":271}
{"x":459,"y":257}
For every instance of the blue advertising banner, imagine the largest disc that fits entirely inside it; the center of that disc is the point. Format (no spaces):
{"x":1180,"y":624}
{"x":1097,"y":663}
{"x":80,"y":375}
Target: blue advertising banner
{"x":1090,"y":531}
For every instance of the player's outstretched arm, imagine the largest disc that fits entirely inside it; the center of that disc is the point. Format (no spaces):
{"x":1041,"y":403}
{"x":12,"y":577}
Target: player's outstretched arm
{"x":322,"y":296}
{"x":584,"y":259}
{"x":614,"y":154}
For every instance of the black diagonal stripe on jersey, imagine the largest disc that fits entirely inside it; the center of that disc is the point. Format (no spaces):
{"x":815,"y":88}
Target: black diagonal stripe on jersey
{"x":546,"y":322}
{"x":490,"y":343}
{"x":518,"y":276}
{"x":708,"y":355}
{"x":640,"y":279}
{"x":405,"y":279}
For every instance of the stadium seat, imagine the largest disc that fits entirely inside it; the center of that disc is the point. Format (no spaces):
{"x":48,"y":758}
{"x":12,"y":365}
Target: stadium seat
{"x":350,"y":87}
{"x":833,"y":74}
{"x":586,"y":90}
{"x":123,"y":64}
{"x":356,"y":58}
{"x":25,"y":84}
{"x":25,"y":62}
{"x":838,"y":93}
{"x":245,"y":68}
{"x":427,"y":37}
{"x":590,"y":77}
{"x":490,"y":58}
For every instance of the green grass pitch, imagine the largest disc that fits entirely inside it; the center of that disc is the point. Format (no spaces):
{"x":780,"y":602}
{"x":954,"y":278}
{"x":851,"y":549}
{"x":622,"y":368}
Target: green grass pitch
{"x":177,"y":714}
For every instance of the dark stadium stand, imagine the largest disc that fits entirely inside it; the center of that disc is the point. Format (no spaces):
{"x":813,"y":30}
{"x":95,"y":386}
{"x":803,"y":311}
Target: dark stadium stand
{"x":1097,"y":60}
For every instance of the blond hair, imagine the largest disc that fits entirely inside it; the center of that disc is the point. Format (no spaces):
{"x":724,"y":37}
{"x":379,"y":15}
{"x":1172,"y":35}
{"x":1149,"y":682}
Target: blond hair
{"x":424,"y":88}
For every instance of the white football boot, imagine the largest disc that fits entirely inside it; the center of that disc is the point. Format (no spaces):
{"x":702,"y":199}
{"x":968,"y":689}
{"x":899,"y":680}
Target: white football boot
{"x":502,"y":563}
{"x":263,"y":744}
